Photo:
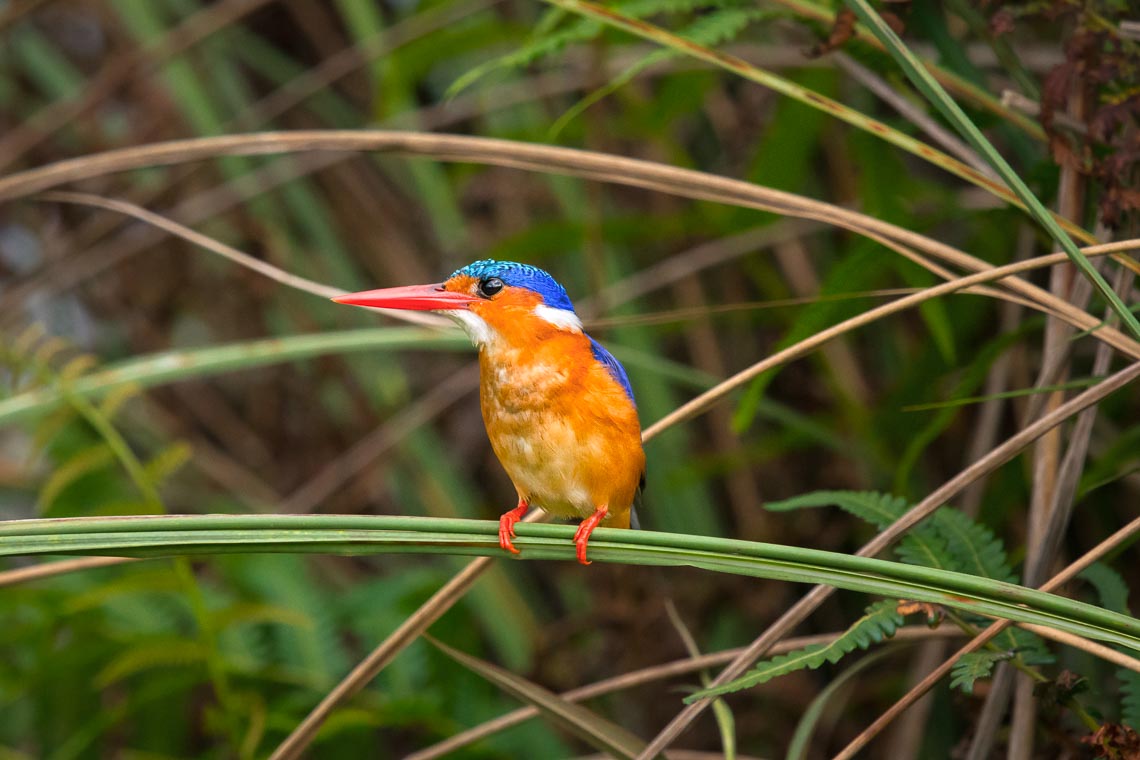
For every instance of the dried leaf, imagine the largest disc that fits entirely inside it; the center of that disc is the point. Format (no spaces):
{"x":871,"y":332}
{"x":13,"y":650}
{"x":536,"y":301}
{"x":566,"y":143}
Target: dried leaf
{"x":1001,"y":23}
{"x":1115,"y":741}
{"x":842,"y":30}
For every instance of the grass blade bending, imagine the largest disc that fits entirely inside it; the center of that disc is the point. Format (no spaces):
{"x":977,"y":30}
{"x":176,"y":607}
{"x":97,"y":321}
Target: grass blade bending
{"x":934,"y":92}
{"x":177,"y":535}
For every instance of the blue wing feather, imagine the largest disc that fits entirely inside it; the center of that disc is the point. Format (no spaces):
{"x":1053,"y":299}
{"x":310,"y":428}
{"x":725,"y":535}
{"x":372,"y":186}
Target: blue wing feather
{"x":617,"y":372}
{"x":613,"y":366}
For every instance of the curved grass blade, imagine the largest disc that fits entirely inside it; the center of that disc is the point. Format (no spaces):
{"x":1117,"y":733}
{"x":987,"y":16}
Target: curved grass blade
{"x":583,"y":723}
{"x":169,"y":366}
{"x":934,"y":92}
{"x":339,"y":534}
{"x":638,"y":678}
{"x":1085,"y":382}
{"x":838,"y":110}
{"x":951,"y":81}
{"x":801,"y":739}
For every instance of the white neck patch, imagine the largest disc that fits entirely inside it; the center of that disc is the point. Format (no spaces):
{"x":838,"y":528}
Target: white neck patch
{"x":482,"y":333}
{"x":475,"y":326}
{"x":560,"y":318}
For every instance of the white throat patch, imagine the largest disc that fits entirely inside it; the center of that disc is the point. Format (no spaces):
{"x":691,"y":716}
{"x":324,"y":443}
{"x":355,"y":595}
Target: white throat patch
{"x":560,"y":318}
{"x":482,"y":334}
{"x":475,"y":326}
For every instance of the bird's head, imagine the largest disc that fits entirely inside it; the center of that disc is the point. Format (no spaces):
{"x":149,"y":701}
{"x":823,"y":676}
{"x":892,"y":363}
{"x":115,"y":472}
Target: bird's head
{"x":488,"y":298}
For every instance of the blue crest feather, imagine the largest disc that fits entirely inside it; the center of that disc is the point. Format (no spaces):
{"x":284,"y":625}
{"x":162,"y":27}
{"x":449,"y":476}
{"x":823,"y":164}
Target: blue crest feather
{"x":532,"y":278}
{"x":517,"y":275}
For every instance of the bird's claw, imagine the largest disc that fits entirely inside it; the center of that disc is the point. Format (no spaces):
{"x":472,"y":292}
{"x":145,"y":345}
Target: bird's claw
{"x":582,"y":535}
{"x":507,"y":527}
{"x":580,"y":543}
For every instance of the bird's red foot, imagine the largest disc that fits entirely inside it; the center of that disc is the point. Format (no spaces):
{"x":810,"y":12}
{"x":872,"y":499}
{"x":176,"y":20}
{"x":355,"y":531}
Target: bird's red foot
{"x":582,"y":536}
{"x":507,"y":526}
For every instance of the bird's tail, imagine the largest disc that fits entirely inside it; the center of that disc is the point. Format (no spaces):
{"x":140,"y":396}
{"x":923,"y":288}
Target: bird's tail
{"x":638,"y":500}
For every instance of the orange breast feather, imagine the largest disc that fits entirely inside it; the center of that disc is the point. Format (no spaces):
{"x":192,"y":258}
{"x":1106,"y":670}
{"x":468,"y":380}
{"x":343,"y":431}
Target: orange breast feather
{"x":563,"y":428}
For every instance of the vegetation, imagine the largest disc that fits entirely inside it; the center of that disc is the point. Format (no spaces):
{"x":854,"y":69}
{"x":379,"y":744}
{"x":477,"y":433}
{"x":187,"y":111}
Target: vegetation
{"x":873,"y":257}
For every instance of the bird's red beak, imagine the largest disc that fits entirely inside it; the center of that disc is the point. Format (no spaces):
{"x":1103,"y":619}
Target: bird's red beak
{"x":411,"y":297}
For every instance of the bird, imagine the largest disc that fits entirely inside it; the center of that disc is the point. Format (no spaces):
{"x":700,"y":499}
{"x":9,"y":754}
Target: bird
{"x":558,"y":407}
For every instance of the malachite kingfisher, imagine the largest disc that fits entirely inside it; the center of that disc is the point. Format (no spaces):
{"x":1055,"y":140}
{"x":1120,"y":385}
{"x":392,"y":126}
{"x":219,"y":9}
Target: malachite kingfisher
{"x":558,"y":407}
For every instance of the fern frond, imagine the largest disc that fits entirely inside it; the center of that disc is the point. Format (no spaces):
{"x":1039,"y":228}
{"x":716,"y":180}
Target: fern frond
{"x":49,"y":427}
{"x":254,"y":613}
{"x":973,"y":546}
{"x":16,"y":354}
{"x":86,"y":461}
{"x":32,"y":355}
{"x":1110,"y":587}
{"x":880,"y":622}
{"x":924,"y":547}
{"x":48,"y":350}
{"x":159,"y":654}
{"x":23,"y":343}
{"x":644,"y":8}
{"x":974,"y":666}
{"x":76,"y":367}
{"x":921,"y":546}
{"x":713,"y":28}
{"x":723,"y":25}
{"x":879,"y":509}
{"x":1113,"y":593}
{"x":167,"y":461}
{"x":708,"y":31}
{"x":1130,"y":697}
{"x":158,"y":580}
{"x":116,"y":397}
{"x":1030,"y":648}
{"x":538,"y":47}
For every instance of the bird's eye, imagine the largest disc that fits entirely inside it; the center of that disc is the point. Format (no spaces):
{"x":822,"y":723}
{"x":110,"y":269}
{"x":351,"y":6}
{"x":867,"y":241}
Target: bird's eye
{"x":490,"y":286}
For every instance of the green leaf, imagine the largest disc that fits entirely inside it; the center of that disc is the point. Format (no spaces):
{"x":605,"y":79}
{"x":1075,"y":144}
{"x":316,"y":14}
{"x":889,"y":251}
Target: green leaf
{"x":974,"y":666}
{"x":880,"y":622}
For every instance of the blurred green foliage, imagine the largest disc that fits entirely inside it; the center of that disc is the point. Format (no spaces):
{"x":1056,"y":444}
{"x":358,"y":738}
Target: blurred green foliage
{"x":223,"y":657}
